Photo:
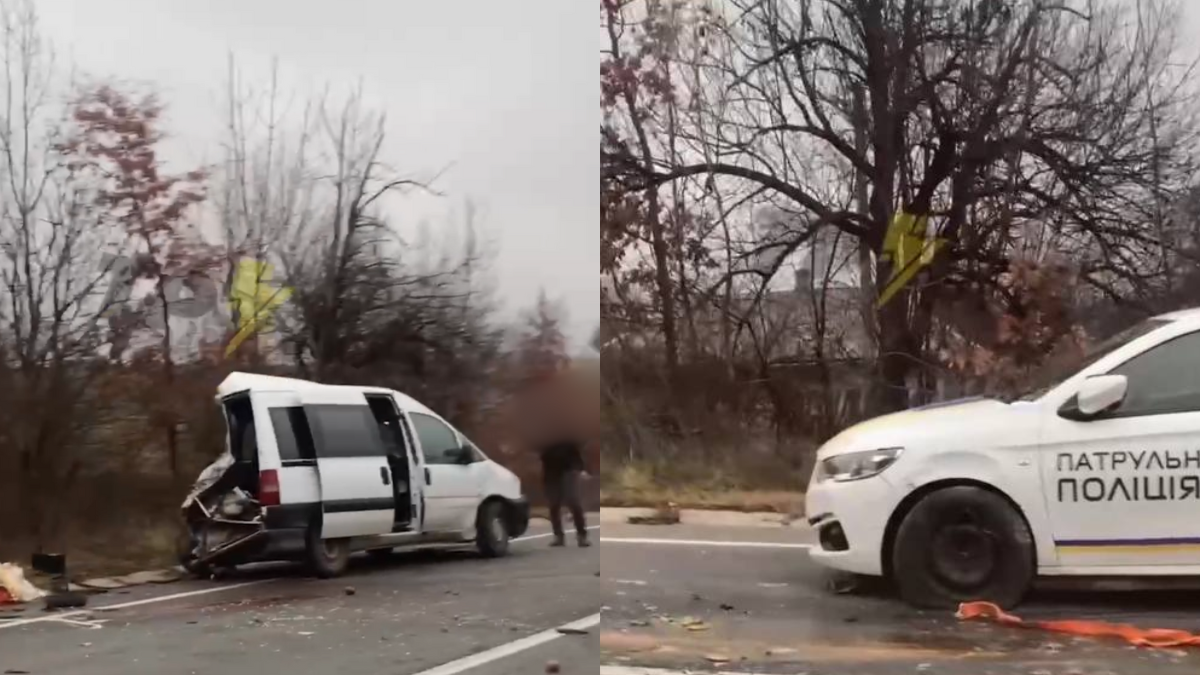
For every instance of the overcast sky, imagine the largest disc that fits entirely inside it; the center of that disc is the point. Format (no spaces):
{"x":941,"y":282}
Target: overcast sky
{"x":505,"y":92}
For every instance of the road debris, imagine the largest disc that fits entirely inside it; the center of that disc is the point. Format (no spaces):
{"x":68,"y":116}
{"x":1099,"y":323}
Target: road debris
{"x":565,"y":630}
{"x":350,"y":590}
{"x":843,"y":584}
{"x":667,"y":514}
{"x":693,"y":624}
{"x":716,"y":658}
{"x":16,"y":588}
{"x":1141,"y":637}
{"x":553,"y":667}
{"x":66,"y":600}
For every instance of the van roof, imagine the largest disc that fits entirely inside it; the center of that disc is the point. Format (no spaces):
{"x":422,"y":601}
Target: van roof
{"x":238,"y":382}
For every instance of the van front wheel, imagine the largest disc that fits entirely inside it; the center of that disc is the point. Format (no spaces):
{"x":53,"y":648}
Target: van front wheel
{"x":327,"y":558}
{"x":491,"y":530}
{"x":960,"y":544}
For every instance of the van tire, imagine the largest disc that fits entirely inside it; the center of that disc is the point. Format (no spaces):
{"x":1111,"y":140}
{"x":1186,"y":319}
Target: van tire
{"x":961,"y":544}
{"x":491,"y":530}
{"x":327,"y":558}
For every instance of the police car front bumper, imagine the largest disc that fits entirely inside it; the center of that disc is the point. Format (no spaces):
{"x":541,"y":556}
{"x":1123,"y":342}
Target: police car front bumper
{"x":850,"y":519}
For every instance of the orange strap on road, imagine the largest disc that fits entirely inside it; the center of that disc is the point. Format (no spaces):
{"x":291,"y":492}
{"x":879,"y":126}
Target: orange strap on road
{"x":1142,"y":637}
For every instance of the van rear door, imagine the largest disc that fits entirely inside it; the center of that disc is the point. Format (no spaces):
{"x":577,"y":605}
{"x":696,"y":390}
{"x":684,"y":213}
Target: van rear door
{"x":352,"y":464}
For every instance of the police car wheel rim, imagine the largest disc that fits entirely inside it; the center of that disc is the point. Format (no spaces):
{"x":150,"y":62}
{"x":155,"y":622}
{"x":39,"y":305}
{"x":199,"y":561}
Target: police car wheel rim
{"x":964,"y":555}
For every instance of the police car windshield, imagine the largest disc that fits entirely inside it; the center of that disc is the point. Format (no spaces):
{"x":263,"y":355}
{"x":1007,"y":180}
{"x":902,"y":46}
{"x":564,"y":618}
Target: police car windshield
{"x":1054,"y":373}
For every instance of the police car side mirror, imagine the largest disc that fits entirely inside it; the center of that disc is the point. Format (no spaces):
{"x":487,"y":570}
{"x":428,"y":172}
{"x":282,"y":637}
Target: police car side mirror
{"x":1097,"y":395}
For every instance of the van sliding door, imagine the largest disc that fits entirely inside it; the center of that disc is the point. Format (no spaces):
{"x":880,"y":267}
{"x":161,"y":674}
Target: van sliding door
{"x":356,"y":482}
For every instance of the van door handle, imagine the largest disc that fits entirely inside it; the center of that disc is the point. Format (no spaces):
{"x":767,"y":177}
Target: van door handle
{"x":383,"y":473}
{"x":428,"y":477}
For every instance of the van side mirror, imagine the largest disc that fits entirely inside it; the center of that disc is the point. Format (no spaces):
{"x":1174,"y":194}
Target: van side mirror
{"x":1097,"y":395}
{"x":462,"y":455}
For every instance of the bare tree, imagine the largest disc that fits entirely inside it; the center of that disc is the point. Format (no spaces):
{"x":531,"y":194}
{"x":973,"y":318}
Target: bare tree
{"x":1005,"y":122}
{"x":52,"y":273}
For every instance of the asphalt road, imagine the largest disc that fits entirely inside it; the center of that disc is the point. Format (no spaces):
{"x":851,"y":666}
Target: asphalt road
{"x":428,"y":613}
{"x":685,"y":598}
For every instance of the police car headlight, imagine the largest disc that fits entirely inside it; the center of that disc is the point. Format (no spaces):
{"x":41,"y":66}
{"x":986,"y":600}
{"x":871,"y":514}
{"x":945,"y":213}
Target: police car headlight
{"x":857,"y":465}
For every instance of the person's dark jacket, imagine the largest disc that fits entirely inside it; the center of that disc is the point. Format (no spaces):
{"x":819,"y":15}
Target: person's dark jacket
{"x":562,"y":456}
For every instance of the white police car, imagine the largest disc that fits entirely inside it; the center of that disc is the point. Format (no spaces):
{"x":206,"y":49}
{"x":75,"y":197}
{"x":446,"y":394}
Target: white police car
{"x":1096,"y":473}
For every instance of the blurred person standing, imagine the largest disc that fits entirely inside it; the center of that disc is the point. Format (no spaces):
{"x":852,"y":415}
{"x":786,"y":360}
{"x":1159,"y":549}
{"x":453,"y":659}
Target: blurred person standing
{"x":557,"y":431}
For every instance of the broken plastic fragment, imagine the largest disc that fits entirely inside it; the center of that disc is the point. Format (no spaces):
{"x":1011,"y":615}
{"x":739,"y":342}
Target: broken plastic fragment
{"x":16,"y":587}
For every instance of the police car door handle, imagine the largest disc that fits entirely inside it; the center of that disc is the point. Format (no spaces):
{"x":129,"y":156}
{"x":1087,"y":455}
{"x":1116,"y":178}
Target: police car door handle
{"x":383,"y":473}
{"x":1023,"y":462}
{"x":428,"y":477}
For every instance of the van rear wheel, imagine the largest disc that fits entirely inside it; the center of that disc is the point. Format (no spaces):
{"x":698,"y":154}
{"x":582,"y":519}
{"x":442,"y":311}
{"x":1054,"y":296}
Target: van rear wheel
{"x":960,"y":544}
{"x":327,"y":558}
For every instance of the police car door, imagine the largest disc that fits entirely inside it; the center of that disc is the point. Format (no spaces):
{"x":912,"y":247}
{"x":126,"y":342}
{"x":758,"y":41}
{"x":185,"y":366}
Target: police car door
{"x":352,"y":465}
{"x":1123,"y":489}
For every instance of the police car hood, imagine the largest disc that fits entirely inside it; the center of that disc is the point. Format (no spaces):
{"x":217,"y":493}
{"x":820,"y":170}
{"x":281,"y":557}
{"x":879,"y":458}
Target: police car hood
{"x":931,"y":426}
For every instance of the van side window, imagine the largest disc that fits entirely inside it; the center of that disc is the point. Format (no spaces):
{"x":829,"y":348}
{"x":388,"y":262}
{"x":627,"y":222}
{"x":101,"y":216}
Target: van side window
{"x":344,"y":431}
{"x":292,"y":434}
{"x":438,"y":441}
{"x":1162,"y":380}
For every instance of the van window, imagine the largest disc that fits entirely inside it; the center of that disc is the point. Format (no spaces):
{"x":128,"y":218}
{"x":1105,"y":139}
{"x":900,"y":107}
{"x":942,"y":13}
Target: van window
{"x":239,"y":420}
{"x":438,"y":441}
{"x":344,"y":431}
{"x":292,"y":434}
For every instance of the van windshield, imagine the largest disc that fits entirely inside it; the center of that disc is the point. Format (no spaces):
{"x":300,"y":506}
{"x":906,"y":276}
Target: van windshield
{"x":1050,"y":376}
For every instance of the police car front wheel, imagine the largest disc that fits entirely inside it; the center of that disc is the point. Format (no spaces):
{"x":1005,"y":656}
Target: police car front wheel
{"x":963,"y":543}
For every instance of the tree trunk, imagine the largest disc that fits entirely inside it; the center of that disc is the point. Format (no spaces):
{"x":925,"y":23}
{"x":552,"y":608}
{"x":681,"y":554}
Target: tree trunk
{"x":172,"y":437}
{"x":896,"y":354}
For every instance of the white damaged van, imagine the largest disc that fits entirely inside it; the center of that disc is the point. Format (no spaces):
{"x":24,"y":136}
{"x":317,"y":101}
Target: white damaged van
{"x":315,"y":472}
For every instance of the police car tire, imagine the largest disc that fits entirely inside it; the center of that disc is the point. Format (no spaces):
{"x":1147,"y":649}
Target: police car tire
{"x":488,"y":524}
{"x":1013,"y":561}
{"x":327,"y":558}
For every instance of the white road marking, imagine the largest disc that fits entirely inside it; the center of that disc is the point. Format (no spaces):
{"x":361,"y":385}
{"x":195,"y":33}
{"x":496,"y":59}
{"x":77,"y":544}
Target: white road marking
{"x":65,"y":616}
{"x":543,"y":535}
{"x":503,"y":651}
{"x":700,"y":542}
{"x":81,"y":624}
{"x":637,"y":670}
{"x":135,"y":603}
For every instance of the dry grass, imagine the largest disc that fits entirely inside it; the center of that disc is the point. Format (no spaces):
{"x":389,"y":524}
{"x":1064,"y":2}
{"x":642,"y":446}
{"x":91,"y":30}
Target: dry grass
{"x":110,"y":553}
{"x":639,"y":485}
